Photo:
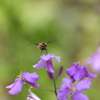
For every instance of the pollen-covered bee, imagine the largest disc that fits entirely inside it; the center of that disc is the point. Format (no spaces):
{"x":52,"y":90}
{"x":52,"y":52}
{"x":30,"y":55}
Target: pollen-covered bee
{"x":42,"y":46}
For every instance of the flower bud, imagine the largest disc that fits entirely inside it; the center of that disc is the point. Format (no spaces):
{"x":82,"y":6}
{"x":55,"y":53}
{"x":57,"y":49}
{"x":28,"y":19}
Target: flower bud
{"x":60,"y":71}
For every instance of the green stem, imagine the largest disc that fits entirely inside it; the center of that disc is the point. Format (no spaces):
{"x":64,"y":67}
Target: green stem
{"x":55,"y":88}
{"x":46,"y":89}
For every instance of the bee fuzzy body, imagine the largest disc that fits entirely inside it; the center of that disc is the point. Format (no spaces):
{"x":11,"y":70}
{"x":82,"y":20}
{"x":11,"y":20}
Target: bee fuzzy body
{"x":42,"y":46}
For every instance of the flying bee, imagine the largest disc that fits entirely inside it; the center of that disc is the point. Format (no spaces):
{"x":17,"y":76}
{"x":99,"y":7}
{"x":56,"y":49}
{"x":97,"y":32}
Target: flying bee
{"x":42,"y":46}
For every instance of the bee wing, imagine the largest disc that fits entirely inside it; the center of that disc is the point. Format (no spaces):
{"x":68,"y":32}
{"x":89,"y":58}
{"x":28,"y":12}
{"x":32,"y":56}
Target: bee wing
{"x":33,"y":43}
{"x":51,"y":40}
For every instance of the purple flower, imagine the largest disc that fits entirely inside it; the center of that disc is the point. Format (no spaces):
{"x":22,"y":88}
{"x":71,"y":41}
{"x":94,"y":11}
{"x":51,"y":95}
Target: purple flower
{"x":94,"y":61}
{"x":26,"y":77}
{"x":16,"y":87}
{"x":32,"y":96}
{"x":46,"y":62}
{"x":75,"y":90}
{"x":78,"y":71}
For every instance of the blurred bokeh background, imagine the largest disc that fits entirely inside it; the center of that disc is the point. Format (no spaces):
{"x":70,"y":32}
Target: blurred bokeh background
{"x":75,"y":23}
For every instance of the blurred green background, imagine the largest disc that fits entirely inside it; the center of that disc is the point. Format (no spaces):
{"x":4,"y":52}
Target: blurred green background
{"x":75,"y":23}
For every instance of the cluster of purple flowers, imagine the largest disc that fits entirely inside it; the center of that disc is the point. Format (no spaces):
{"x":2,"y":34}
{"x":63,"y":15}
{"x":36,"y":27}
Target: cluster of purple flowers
{"x":77,"y":72}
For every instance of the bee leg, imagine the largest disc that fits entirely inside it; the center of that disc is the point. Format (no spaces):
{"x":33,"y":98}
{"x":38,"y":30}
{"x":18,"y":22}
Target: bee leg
{"x":46,"y":51}
{"x":41,"y":52}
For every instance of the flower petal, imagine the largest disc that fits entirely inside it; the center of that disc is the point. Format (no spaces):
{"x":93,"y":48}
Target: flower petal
{"x":63,"y":94}
{"x":87,"y":74}
{"x":51,"y":75}
{"x":49,"y":66}
{"x":40,"y":64}
{"x":30,"y":78}
{"x":79,"y":96}
{"x":56,"y":57}
{"x":91,"y":75}
{"x":45,"y":57}
{"x":79,"y":74}
{"x":49,"y":56}
{"x":32,"y":96}
{"x":94,"y":61}
{"x":65,"y":89}
{"x":71,"y":71}
{"x":35,"y":85}
{"x":66,"y":83}
{"x":10,"y":86}
{"x":16,"y":87}
{"x":83,"y":85}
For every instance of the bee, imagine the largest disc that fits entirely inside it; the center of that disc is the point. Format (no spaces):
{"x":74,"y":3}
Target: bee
{"x":43,"y":45}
